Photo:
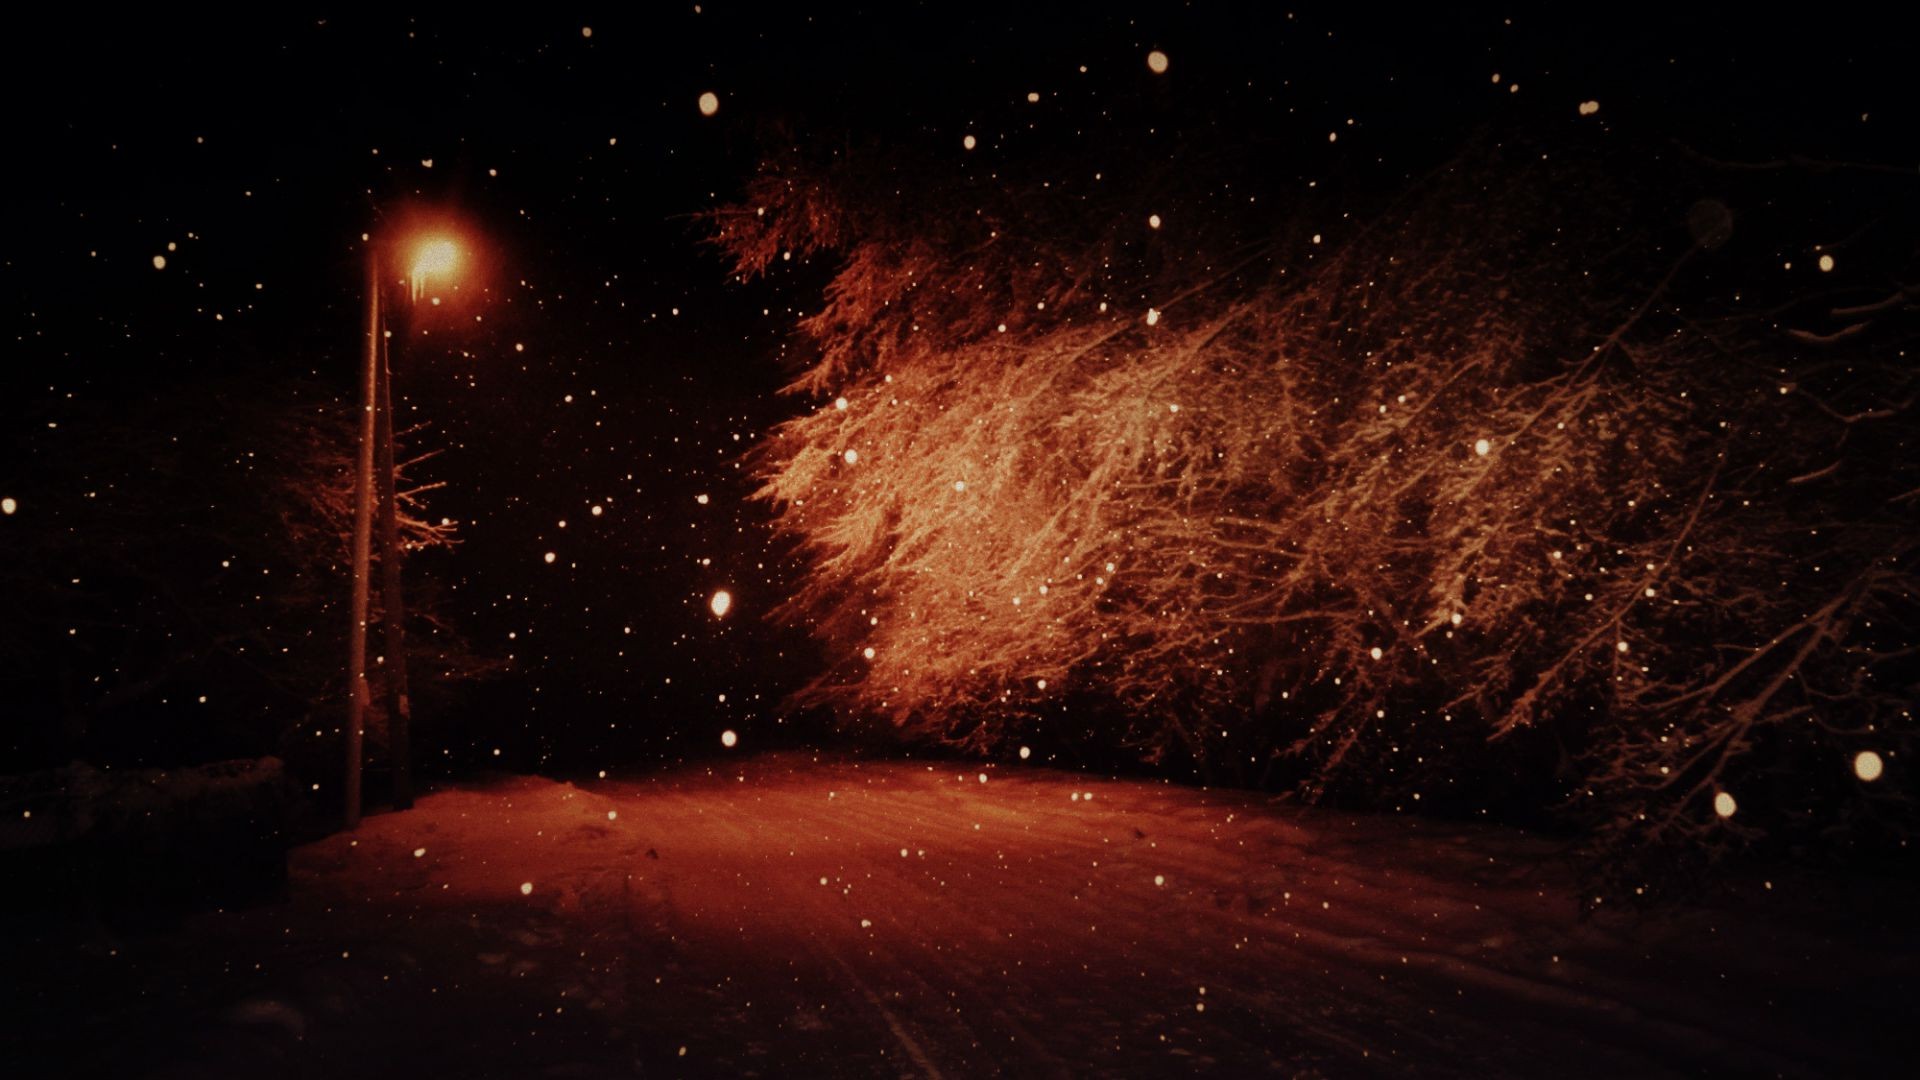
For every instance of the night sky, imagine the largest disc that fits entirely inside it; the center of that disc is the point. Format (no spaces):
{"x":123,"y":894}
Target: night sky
{"x":602,"y":357}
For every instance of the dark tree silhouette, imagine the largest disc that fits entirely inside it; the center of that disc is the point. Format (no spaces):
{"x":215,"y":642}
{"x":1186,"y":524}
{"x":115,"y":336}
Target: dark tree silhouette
{"x":1182,"y":457}
{"x":180,"y":577}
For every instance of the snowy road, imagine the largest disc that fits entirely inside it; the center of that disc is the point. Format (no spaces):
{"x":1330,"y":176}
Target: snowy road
{"x":780,"y":916}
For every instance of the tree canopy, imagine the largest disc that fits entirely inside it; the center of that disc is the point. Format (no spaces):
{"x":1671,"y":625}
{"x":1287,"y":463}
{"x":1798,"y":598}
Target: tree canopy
{"x":1504,"y":469}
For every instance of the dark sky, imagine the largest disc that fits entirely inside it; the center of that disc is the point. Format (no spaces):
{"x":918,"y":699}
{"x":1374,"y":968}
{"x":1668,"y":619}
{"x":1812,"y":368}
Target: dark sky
{"x":251,"y":151}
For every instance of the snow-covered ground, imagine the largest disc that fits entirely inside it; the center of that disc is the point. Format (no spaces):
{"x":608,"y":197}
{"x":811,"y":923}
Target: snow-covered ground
{"x":787,"y":915}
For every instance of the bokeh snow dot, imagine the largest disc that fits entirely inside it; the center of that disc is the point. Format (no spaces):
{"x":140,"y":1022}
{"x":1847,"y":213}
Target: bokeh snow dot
{"x":1867,"y":765}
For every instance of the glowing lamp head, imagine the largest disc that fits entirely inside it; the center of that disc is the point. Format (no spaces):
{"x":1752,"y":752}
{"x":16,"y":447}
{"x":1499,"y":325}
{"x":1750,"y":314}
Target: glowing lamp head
{"x":433,"y":258}
{"x":721,"y":603}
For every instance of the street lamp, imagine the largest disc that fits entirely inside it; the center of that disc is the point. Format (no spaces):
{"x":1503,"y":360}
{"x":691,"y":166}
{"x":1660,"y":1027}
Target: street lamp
{"x":434,"y":257}
{"x":431,"y":258}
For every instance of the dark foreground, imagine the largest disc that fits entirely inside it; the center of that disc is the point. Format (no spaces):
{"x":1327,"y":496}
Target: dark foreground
{"x":791,"y":916}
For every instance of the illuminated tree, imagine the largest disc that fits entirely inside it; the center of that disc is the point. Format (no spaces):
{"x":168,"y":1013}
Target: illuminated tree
{"x":1183,"y":459}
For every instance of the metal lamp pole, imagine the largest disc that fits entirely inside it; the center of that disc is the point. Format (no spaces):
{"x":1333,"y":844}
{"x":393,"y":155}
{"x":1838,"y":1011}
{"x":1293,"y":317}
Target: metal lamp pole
{"x":394,"y":616}
{"x":358,"y":692}
{"x":377,"y":456}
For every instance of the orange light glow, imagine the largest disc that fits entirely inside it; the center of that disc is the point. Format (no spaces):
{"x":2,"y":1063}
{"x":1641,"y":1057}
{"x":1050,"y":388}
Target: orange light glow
{"x":433,"y":258}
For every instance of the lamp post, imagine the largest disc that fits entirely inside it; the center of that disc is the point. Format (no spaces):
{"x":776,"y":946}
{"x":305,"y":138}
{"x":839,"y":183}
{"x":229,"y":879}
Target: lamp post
{"x":432,"y":258}
{"x":357,"y":689}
